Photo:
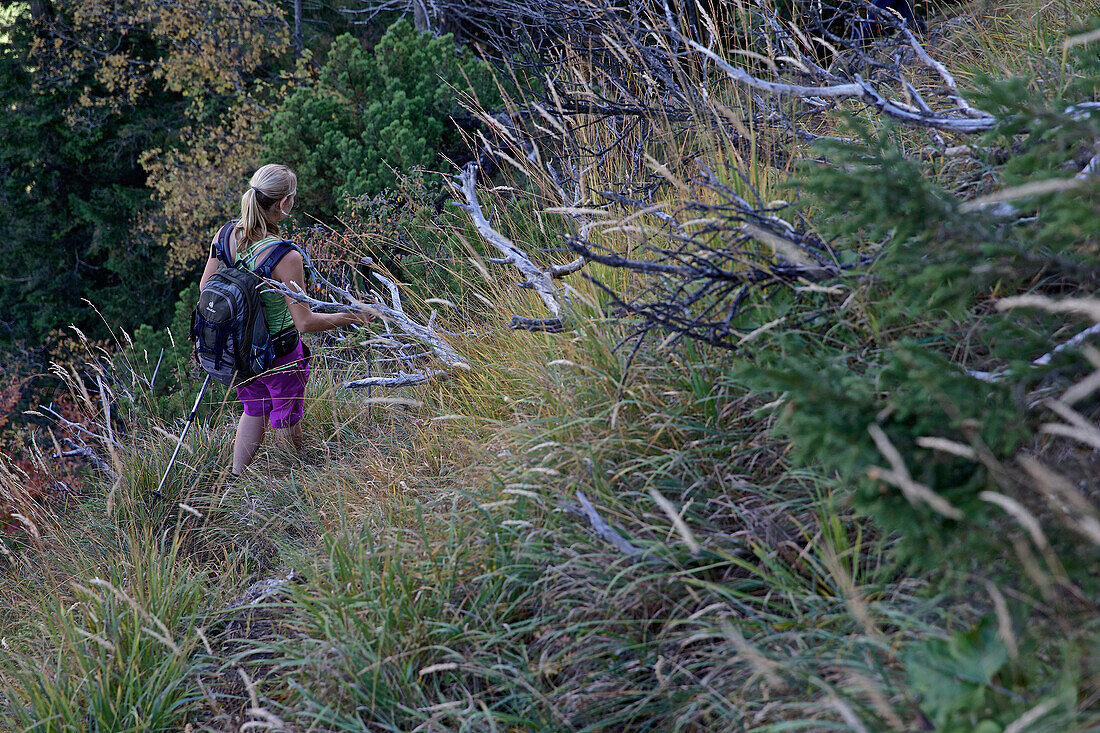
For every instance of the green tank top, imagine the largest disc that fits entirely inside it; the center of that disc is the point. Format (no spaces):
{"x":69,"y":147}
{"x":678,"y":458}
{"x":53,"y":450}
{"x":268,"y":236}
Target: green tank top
{"x":274,"y":302}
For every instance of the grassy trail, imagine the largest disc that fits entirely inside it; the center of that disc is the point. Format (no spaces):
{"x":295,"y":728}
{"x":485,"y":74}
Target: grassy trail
{"x":574,"y":534}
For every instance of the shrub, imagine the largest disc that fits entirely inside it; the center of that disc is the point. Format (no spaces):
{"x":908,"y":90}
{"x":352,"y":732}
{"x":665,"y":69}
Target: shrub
{"x":373,"y":112}
{"x":925,"y":350}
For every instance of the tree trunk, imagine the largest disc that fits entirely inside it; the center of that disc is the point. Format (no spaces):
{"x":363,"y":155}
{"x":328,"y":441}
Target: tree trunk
{"x":298,"y":27}
{"x":41,"y":15}
{"x":421,"y":21}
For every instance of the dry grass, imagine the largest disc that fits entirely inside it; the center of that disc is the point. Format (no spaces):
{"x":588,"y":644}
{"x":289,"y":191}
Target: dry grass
{"x":1009,"y":38}
{"x":434,"y":564}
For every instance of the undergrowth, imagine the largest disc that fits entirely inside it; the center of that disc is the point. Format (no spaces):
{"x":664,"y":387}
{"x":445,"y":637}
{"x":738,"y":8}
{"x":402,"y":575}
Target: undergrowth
{"x":577,"y":534}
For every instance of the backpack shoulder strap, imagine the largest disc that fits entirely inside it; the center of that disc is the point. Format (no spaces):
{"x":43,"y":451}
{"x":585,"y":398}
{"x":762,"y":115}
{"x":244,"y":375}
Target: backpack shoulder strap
{"x":249,"y":254}
{"x":280,"y":250}
{"x":221,"y":249}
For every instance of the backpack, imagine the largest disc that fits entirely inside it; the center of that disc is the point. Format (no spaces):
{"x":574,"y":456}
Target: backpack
{"x":228,"y":326}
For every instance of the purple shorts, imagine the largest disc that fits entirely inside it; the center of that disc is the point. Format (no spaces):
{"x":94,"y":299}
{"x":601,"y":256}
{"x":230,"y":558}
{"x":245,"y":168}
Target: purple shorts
{"x":278,"y":395}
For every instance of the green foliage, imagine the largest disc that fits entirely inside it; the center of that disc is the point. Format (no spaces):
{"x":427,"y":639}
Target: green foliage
{"x":1049,"y":136}
{"x":909,"y":391}
{"x":417,"y":235}
{"x":373,"y":112}
{"x":121,"y":657}
{"x":446,"y":575}
{"x":882,"y":194}
{"x":927,"y":253}
{"x":954,"y":675}
{"x":401,"y":230}
{"x":961,"y":681}
{"x":172,"y":339}
{"x":70,"y":192}
{"x":161,"y":360}
{"x":918,"y":379}
{"x":910,"y":362}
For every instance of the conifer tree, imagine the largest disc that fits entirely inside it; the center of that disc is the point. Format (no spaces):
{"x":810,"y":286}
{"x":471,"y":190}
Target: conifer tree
{"x":372,"y":112}
{"x":932,"y":356}
{"x":71,"y":191}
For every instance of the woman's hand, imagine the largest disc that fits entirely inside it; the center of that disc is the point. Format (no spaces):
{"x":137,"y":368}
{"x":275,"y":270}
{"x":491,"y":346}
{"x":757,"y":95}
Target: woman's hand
{"x":349,"y":318}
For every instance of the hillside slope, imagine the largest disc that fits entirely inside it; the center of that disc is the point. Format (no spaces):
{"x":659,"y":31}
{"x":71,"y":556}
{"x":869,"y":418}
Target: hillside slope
{"x":834,"y":467}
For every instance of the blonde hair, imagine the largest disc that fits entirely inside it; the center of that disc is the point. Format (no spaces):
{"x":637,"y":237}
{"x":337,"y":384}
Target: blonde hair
{"x":269,"y":185}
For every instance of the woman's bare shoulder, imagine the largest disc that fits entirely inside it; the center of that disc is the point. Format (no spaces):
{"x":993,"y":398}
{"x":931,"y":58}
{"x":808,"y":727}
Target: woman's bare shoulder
{"x":290,"y":265}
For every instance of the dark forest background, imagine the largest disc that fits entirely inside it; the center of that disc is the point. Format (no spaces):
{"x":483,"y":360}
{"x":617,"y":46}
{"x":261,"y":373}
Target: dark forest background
{"x":130,"y":131}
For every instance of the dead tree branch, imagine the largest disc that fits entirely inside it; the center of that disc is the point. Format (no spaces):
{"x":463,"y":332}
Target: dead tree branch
{"x":605,"y":530}
{"x":712,"y":262}
{"x":80,"y":449}
{"x":715,"y":262}
{"x":917,"y":114}
{"x":545,"y":325}
{"x":539,"y":280}
{"x":393,"y":313}
{"x":401,"y":379}
{"x":816,"y":84}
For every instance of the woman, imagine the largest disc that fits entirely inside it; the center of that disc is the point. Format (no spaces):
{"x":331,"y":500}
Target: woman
{"x":277,"y":395}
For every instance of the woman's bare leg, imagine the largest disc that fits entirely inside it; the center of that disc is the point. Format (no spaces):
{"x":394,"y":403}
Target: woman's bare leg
{"x":250,"y":433}
{"x":293,"y":435}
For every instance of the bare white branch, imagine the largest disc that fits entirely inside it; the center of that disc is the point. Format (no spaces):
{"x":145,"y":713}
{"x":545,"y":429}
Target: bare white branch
{"x":976,"y":121}
{"x":395,"y":293}
{"x":444,"y":351}
{"x":538,"y":280}
{"x":401,"y":379}
{"x":560,"y":271}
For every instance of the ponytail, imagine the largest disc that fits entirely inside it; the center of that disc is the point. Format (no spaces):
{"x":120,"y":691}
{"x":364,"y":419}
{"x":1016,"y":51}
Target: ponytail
{"x":269,"y":185}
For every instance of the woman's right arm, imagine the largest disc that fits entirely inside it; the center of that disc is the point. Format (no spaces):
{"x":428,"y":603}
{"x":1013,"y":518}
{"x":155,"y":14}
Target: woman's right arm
{"x":291,"y":271}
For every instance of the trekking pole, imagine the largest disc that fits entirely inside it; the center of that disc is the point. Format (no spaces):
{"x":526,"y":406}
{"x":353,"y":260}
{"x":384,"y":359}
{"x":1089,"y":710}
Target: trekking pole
{"x":186,"y":426}
{"x":370,"y":388}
